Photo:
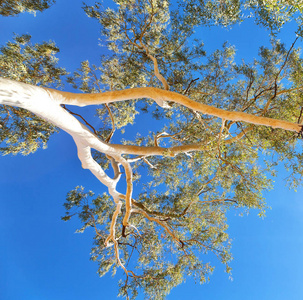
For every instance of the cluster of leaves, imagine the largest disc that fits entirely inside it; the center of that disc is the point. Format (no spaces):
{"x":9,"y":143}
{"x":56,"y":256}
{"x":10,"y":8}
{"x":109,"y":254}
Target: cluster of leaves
{"x":180,"y":215}
{"x":129,"y":65}
{"x":160,"y":261}
{"x":13,"y":7}
{"x":191,"y":193}
{"x":20,"y":60}
{"x":271,"y":14}
{"x":126,"y":31}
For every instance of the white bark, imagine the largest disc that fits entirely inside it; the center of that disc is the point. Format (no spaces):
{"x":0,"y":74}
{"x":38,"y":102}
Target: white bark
{"x":46,"y":103}
{"x":42,"y":103}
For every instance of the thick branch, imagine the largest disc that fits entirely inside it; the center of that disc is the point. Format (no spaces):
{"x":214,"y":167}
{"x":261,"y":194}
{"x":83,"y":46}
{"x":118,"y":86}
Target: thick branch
{"x":164,"y":95}
{"x":46,"y":104}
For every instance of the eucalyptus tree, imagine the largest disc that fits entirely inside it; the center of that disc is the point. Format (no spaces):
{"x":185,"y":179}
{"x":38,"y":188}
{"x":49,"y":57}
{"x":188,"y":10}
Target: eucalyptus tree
{"x":219,"y":122}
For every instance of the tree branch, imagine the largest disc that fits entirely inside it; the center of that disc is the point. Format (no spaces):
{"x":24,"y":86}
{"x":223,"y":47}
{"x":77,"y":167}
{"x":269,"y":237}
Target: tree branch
{"x":166,"y":228}
{"x":164,"y":95}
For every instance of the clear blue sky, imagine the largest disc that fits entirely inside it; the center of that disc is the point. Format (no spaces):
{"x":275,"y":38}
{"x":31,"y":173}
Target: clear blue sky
{"x":41,"y":258}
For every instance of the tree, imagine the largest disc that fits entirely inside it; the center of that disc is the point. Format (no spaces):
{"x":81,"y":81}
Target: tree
{"x":12,"y":7}
{"x":200,"y":165}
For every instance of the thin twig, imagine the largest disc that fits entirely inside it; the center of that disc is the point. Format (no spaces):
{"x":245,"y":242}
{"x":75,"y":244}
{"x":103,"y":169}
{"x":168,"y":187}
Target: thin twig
{"x":192,"y":81}
{"x":94,"y":130}
{"x":299,"y":119}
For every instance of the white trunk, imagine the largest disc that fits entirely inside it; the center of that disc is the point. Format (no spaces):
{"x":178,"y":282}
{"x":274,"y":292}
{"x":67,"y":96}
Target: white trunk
{"x":46,"y":105}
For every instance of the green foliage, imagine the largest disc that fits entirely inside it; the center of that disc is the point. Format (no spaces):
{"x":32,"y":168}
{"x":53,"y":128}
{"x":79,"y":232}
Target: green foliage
{"x":36,"y":64}
{"x":186,"y":197}
{"x":13,"y":7}
{"x":22,"y":131}
{"x":180,"y":210}
{"x":213,"y":12}
{"x":271,"y":14}
{"x":113,"y":76}
{"x":282,"y":5}
{"x":275,"y":13}
{"x":161,"y":263}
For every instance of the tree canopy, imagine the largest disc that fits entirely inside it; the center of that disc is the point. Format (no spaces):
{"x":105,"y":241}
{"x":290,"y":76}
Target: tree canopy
{"x":221,"y":129}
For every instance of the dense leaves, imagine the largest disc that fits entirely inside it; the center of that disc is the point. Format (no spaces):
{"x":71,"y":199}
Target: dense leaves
{"x":22,"y":131}
{"x":13,"y":7}
{"x":271,"y":14}
{"x":180,"y":215}
{"x":179,"y":203}
{"x":161,"y":260}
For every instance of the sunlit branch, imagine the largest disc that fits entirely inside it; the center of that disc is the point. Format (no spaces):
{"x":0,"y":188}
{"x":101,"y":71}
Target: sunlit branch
{"x":112,"y":235}
{"x":107,"y":107}
{"x":107,"y":97}
{"x":220,"y":136}
{"x":149,"y":163}
{"x":94,"y":223}
{"x":156,"y":68}
{"x":129,"y":190}
{"x":164,"y":95}
{"x":165,"y":135}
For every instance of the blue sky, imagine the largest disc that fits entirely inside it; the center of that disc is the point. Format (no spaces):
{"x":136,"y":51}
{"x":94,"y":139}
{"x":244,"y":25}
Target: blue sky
{"x":41,"y":258}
